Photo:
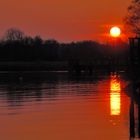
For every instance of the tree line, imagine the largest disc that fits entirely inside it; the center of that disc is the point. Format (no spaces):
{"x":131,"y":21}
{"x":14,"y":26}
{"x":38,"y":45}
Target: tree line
{"x":16,"y":46}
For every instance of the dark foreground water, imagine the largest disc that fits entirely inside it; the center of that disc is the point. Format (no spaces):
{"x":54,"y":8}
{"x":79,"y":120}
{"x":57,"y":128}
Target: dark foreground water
{"x":61,"y":107}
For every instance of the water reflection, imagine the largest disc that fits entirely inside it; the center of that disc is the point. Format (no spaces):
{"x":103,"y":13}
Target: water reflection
{"x":115,"y":99}
{"x":37,"y":87}
{"x":63,"y":107}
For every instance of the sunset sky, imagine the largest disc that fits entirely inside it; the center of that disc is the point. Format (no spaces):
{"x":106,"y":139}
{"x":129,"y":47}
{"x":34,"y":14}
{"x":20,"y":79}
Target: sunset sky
{"x":63,"y":20}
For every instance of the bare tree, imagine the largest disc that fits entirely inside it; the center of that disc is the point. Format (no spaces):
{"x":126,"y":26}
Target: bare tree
{"x":13,"y":34}
{"x":132,"y":19}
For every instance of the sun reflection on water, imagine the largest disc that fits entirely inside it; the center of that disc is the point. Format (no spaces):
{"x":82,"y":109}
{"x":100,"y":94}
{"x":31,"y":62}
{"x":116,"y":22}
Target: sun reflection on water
{"x":115,"y":99}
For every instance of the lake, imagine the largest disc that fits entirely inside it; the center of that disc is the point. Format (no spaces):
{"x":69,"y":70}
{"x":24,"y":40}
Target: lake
{"x":56,"y":106}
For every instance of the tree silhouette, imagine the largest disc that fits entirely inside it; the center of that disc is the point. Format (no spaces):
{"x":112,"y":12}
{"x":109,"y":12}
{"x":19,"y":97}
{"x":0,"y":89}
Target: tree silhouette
{"x":38,"y":41}
{"x":132,"y":18}
{"x":13,"y":34}
{"x":17,"y":47}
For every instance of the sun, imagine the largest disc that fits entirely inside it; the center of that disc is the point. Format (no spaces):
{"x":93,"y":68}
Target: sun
{"x":115,"y":31}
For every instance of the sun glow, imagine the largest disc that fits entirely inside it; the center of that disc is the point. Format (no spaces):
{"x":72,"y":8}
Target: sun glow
{"x":115,"y":89}
{"x":115,"y":31}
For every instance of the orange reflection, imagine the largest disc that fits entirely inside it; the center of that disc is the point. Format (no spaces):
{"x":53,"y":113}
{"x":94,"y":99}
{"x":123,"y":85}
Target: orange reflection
{"x":115,"y":101}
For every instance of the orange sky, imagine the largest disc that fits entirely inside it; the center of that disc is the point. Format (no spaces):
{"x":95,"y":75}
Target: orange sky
{"x":62,"y":19}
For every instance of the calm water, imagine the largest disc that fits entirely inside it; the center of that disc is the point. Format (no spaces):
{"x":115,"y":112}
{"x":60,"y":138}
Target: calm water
{"x":59,"y":107}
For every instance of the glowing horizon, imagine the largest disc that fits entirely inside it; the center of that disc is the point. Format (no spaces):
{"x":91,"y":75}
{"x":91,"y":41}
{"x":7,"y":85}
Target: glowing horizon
{"x":62,"y":20}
